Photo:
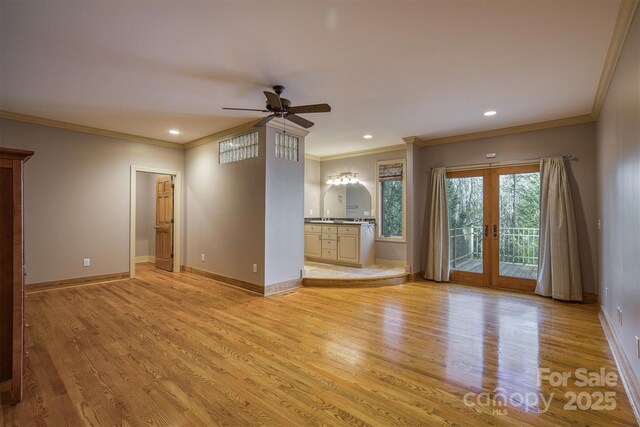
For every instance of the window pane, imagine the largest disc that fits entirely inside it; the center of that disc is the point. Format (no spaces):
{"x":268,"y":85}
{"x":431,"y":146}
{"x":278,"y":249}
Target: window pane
{"x":391,"y":208}
{"x":519,"y":224}
{"x":465,"y":204}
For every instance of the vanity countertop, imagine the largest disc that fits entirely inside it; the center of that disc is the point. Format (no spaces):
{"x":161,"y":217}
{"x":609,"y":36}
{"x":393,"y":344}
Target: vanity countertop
{"x":339,"y":222}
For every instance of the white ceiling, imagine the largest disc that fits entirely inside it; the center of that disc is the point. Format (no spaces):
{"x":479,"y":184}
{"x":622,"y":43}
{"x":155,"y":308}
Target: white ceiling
{"x":389,"y":68}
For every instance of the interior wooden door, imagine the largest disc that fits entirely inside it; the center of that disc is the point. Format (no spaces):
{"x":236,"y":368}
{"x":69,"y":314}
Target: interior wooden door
{"x":164,"y":223}
{"x":515,"y":226}
{"x":468,"y":202}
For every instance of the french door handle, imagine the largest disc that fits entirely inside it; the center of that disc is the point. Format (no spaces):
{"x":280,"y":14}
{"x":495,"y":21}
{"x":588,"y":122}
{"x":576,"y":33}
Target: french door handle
{"x":495,"y":230}
{"x":486,"y":230}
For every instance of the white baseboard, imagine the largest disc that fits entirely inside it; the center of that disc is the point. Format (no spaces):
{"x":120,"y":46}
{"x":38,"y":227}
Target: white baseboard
{"x":629,"y":380}
{"x":145,"y":258}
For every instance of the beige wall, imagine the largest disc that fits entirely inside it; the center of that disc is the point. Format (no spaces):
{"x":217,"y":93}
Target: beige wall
{"x":244,"y":213}
{"x":365,"y":167}
{"x":312,"y":188}
{"x":618,"y":154}
{"x":225,"y":207}
{"x":77,"y":198}
{"x":284,"y":214}
{"x":578,"y":140}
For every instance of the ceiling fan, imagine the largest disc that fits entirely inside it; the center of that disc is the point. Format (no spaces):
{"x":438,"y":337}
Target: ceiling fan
{"x":281,"y":107}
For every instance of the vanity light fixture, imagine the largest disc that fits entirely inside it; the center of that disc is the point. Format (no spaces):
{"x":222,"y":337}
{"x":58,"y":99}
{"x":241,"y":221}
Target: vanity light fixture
{"x":490,"y":113}
{"x":342,"y":179}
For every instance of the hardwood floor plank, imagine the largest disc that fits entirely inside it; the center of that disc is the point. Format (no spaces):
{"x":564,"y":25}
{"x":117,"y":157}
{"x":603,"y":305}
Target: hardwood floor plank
{"x":180,"y":349}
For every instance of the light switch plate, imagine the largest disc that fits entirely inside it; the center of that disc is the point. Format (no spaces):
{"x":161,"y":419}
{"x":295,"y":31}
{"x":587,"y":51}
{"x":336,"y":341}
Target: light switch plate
{"x":86,"y":262}
{"x":255,"y":268}
{"x":202,"y":257}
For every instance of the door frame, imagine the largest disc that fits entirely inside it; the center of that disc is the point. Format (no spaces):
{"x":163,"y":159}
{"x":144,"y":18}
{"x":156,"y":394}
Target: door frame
{"x":177,"y":217}
{"x":490,"y":277}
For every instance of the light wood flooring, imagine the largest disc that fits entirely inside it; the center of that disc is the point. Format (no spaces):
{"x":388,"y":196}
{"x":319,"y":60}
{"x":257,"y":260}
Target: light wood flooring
{"x":179,"y":349}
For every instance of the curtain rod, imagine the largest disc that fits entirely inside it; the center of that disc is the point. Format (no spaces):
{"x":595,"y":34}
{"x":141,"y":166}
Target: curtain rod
{"x":499,"y":164}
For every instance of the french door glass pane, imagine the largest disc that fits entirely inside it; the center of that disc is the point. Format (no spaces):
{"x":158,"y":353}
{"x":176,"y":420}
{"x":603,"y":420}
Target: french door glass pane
{"x":465,"y":204}
{"x":519,"y":224}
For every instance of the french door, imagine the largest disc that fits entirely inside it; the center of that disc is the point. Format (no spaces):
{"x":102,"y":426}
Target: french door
{"x":494,"y":222}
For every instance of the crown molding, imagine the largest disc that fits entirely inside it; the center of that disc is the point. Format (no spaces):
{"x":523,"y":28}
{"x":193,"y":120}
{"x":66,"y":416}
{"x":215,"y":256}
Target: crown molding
{"x":290,"y":128}
{"x":410,"y":139}
{"x":620,"y":30}
{"x":586,"y":118}
{"x":9,"y":115}
{"x":223,"y":134}
{"x":312,"y":157}
{"x":358,"y":153}
{"x":239,"y":130}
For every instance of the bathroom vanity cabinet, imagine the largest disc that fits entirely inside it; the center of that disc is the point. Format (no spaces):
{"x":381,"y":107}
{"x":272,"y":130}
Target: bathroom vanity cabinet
{"x":347,"y":244}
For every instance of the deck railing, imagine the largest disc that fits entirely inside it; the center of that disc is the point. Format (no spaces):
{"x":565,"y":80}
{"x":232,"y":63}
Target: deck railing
{"x":517,"y":245}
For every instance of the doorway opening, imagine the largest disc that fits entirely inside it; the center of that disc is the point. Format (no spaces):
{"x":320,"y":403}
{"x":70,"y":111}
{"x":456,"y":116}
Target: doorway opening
{"x":494,"y":222}
{"x":155,"y":220}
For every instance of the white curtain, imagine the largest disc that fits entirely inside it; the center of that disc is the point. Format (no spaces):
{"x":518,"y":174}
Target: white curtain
{"x":559,"y":274}
{"x":438,"y":244}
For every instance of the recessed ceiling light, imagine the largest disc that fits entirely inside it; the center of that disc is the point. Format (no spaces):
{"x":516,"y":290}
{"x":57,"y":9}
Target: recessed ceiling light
{"x":368,"y":136}
{"x":490,"y":113}
{"x":174,"y":131}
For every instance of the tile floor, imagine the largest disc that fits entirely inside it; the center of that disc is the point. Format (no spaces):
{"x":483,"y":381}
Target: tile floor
{"x":330,"y":271}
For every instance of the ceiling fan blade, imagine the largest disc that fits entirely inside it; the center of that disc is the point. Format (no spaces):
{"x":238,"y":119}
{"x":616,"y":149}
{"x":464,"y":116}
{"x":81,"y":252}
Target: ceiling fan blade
{"x":264,"y":121}
{"x":299,"y":120}
{"x":315,"y":108}
{"x":245,"y":109}
{"x":274,"y":100}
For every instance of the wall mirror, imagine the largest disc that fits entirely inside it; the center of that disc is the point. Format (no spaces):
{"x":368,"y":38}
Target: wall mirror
{"x":347,"y":201}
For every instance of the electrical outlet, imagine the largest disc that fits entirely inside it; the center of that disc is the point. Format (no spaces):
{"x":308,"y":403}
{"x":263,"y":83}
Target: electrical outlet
{"x":490,"y":155}
{"x":599,"y":224}
{"x":310,"y":212}
{"x":606,"y":292}
{"x":202,"y":257}
{"x":86,"y":262}
{"x":255,"y":268}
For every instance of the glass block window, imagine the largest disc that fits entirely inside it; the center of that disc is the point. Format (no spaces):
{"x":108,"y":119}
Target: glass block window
{"x":239,"y":148}
{"x":286,"y":147}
